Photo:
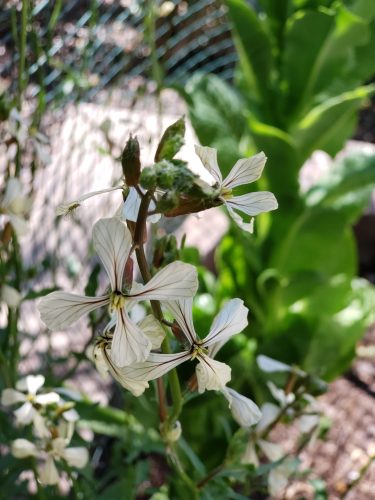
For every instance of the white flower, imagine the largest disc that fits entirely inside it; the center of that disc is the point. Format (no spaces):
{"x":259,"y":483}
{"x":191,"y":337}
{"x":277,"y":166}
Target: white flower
{"x":100,"y":354}
{"x":280,"y":395}
{"x":15,"y":205}
{"x":131,"y":206}
{"x":68,"y":207}
{"x":113,"y":243}
{"x":211,"y":374}
{"x":28,"y":412}
{"x":245,"y":412}
{"x":245,"y":171}
{"x":50,"y":451}
{"x":270,"y":365}
{"x":278,"y":478}
{"x":10,"y":296}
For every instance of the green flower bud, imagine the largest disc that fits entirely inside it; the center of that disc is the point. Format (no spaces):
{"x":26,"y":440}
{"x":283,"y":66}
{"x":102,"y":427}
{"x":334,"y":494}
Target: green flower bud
{"x":168,"y":201}
{"x":171,"y":141}
{"x":148,"y":178}
{"x":130,"y":161}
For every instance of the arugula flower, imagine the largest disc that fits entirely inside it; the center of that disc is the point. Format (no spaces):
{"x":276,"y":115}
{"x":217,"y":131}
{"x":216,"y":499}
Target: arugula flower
{"x":113,"y":243}
{"x":245,"y":171}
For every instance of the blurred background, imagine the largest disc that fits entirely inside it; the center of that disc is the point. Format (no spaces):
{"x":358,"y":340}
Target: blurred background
{"x":294,"y":78}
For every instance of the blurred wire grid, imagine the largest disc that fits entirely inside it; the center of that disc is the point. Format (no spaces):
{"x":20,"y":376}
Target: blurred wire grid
{"x":75,"y":49}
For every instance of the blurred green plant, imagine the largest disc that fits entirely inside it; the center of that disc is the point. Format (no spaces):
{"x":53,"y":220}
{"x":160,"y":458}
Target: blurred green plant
{"x":298,"y":88}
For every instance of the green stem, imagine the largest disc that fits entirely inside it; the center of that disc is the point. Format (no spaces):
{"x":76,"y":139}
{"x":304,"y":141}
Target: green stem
{"x":174,"y":382}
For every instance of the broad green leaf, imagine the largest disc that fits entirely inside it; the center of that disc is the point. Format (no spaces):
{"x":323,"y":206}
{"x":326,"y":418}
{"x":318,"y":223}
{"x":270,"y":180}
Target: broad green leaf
{"x":347,"y":186}
{"x":319,"y":240}
{"x":253,"y":45}
{"x":283,"y":160}
{"x":306,"y":34}
{"x":364,"y":8}
{"x":329,"y":124}
{"x":216,"y":113}
{"x":340,"y":333}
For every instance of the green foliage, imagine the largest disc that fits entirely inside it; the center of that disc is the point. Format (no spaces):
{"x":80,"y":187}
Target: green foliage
{"x":299,"y":86}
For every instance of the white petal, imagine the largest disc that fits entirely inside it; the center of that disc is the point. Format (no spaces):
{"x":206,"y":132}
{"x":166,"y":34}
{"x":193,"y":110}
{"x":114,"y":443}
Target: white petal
{"x":64,"y":208}
{"x":19,"y":224}
{"x":155,"y":366}
{"x":278,"y":480}
{"x":250,"y":456}
{"x":212,"y":375}
{"x":76,"y":457}
{"x":208,"y":157}
{"x":245,"y":171}
{"x":112,"y":242}
{"x":98,"y":358}
{"x":48,"y":473}
{"x":245,"y":412}
{"x":280,"y":395}
{"x":12,"y":192}
{"x":71,"y":415}
{"x":273,"y":451}
{"x":270,"y":413}
{"x":270,"y":365}
{"x":31,"y":384}
{"x":59,"y":310}
{"x":40,"y":428}
{"x":152,"y":328}
{"x":25,"y":414}
{"x":175,"y":281}
{"x":11,"y":397}
{"x":22,"y":448}
{"x":129,"y":344}
{"x":47,"y":399}
{"x":307,"y":423}
{"x":253,"y":203}
{"x":246,"y":226}
{"x":232,"y":319}
{"x":10,"y":295}
{"x":131,"y":206}
{"x":182,"y":311}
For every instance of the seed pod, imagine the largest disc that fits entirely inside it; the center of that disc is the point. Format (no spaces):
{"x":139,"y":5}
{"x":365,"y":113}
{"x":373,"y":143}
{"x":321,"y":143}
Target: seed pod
{"x":130,"y":161}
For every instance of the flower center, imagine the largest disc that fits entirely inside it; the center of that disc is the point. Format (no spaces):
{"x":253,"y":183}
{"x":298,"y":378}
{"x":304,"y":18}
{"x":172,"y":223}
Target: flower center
{"x":197,"y":350}
{"x":226,"y":193}
{"x":117,"y":300}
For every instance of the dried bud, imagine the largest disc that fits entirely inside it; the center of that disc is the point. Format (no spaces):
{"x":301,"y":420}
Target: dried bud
{"x":130,"y":161}
{"x":171,"y":141}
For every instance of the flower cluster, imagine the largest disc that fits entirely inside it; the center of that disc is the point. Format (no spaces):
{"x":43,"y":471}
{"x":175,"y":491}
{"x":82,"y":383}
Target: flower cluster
{"x":52,"y":421}
{"x":130,"y":351}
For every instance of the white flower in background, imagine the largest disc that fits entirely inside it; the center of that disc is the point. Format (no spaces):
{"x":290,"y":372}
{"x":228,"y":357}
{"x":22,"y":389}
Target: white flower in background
{"x":100,"y":354}
{"x":69,"y":207}
{"x":113,"y":243}
{"x":278,"y":477}
{"x":26,"y":394}
{"x":245,"y":412}
{"x":270,"y":365}
{"x":131,"y":206}
{"x":50,"y":451}
{"x":284,"y":399}
{"x":245,"y":171}
{"x":15,"y":205}
{"x":211,"y":374}
{"x":10,"y":296}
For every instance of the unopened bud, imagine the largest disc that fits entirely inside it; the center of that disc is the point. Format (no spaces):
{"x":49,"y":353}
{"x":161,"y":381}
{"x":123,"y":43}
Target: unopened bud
{"x":174,"y":433}
{"x":130,"y":161}
{"x":168,"y":201}
{"x":171,"y":141}
{"x":148,"y":178}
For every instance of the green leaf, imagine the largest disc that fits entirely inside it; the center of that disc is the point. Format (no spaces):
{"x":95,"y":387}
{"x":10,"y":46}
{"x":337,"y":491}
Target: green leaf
{"x":328,"y":125}
{"x":319,"y":240}
{"x":347,"y":186}
{"x":171,"y":141}
{"x":216,"y":113}
{"x":340,"y":333}
{"x":253,"y":45}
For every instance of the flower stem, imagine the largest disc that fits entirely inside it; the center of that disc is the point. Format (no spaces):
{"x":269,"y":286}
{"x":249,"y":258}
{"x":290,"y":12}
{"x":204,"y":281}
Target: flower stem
{"x":174,"y":383}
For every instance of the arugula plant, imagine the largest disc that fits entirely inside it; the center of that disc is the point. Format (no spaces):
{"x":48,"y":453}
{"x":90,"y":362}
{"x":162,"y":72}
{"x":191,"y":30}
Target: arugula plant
{"x":298,"y":88}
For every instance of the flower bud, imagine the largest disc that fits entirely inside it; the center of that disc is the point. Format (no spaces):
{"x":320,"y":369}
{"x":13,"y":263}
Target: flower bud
{"x":130,"y":161}
{"x":148,"y":178}
{"x":171,"y":141}
{"x":168,"y":201}
{"x":174,"y":433}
